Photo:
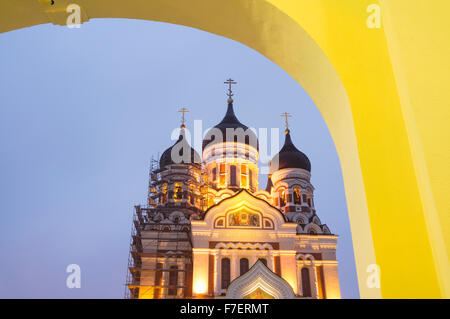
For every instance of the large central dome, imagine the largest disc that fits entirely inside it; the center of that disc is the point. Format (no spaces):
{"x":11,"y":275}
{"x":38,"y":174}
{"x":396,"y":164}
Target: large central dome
{"x":230,"y":121}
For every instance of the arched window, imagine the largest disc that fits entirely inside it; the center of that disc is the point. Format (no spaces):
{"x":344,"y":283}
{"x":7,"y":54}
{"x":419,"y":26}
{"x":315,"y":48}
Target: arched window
{"x":222,"y":174}
{"x":233,"y":181}
{"x":306,"y":285}
{"x":225,"y":272}
{"x":173,"y":280}
{"x":250,"y":178}
{"x":158,"y":281}
{"x":282,"y":194}
{"x":243,"y":263}
{"x":308,"y":197}
{"x":164,"y":194}
{"x":191,"y":194}
{"x":178,"y":192}
{"x":214,"y":174}
{"x":297,"y":196}
{"x":244,"y":176}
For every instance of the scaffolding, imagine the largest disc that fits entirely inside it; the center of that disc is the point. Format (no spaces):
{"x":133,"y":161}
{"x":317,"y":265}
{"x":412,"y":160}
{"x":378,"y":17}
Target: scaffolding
{"x":149,"y":269}
{"x":155,"y":247}
{"x":153,"y":178}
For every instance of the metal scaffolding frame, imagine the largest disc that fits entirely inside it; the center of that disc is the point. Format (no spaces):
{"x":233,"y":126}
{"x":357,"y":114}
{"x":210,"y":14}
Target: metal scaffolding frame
{"x":176,"y":235}
{"x":181,"y":243}
{"x":181,"y":249}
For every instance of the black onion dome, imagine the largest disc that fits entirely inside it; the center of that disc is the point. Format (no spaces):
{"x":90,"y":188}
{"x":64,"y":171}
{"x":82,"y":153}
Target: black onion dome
{"x":166,"y":157}
{"x":230,"y":121}
{"x":290,"y":157}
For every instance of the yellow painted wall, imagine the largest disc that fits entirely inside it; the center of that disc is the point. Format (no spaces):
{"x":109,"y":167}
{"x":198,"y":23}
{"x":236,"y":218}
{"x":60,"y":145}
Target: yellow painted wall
{"x":289,"y":269}
{"x":382,"y":92}
{"x":201,"y":270}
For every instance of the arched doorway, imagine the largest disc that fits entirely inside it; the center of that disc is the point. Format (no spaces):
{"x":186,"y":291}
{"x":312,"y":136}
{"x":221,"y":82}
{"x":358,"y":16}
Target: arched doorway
{"x":259,"y":282}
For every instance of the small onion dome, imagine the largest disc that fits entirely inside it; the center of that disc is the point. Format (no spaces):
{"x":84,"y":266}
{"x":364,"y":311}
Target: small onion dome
{"x":230,"y":121}
{"x":290,"y":157}
{"x":166,"y":157}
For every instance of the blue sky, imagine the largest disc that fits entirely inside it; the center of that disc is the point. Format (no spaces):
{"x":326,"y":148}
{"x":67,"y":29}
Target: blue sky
{"x":82,"y":111}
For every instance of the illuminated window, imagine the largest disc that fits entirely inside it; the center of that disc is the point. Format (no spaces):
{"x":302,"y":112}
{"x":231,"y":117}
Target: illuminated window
{"x":204,"y":203}
{"x":282,"y":194}
{"x":233,"y":181}
{"x":178,"y":192}
{"x":243,"y":263}
{"x":244,"y":176}
{"x":306,"y":285}
{"x":250,"y":177}
{"x":297,"y":196}
{"x":203,"y":198}
{"x":222,"y":176}
{"x":164,"y":194}
{"x":173,"y":280}
{"x":158,"y":280}
{"x":191,"y":195}
{"x":225,"y":272}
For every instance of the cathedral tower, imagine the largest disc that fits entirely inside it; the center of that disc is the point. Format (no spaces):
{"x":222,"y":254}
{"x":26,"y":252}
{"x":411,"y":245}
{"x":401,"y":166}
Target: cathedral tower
{"x":291,"y":189}
{"x":230,"y":153}
{"x":160,"y":263}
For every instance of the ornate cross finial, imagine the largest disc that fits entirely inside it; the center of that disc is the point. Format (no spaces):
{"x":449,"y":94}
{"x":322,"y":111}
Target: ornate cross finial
{"x":230,"y":92}
{"x":286,"y":116}
{"x":182,"y":111}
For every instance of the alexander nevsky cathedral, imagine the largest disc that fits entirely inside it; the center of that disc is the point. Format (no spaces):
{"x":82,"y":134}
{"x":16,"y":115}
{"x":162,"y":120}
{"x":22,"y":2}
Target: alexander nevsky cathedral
{"x":209,"y":231}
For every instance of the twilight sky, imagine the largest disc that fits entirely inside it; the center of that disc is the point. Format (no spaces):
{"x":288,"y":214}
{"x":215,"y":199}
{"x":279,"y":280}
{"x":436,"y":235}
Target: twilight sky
{"x":82,"y":111}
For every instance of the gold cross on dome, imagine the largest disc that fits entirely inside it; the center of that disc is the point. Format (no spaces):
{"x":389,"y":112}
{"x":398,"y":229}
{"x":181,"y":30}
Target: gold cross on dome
{"x":230,"y":82}
{"x":183,"y":111}
{"x":286,"y":116}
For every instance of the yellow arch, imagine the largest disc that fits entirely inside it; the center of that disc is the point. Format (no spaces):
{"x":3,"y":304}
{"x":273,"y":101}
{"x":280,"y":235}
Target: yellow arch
{"x":383,"y":93}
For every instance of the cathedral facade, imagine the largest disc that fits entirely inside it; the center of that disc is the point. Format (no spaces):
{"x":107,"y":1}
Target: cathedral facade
{"x":209,"y":231}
